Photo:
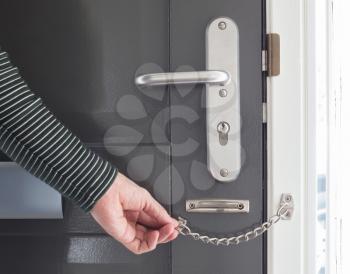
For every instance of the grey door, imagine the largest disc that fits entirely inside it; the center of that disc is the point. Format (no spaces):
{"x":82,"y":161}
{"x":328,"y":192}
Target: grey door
{"x":82,"y":58}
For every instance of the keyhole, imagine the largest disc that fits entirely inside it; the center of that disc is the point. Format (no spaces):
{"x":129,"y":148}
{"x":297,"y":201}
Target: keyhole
{"x":223,"y":130}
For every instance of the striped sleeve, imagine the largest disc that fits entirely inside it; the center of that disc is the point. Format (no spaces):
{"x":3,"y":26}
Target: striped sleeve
{"x":31,"y":136}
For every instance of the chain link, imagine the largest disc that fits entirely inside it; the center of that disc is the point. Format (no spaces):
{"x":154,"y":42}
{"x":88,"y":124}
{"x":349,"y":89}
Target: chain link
{"x":185,"y":230}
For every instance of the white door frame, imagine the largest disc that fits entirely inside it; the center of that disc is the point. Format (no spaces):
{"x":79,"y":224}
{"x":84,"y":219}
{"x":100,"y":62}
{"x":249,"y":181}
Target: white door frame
{"x":287,"y":137}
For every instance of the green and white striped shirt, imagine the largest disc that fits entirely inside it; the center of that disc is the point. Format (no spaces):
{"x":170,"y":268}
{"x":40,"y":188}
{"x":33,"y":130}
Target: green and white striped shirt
{"x":31,"y":136}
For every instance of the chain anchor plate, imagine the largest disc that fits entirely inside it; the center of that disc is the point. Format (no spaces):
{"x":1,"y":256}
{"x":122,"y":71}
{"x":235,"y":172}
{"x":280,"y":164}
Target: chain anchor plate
{"x":284,"y":212}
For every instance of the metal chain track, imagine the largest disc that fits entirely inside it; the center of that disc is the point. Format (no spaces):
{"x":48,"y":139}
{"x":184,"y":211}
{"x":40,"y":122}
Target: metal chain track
{"x":185,"y":230}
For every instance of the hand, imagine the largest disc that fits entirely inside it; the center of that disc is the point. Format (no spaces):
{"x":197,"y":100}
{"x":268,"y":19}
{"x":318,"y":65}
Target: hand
{"x":130,"y":215}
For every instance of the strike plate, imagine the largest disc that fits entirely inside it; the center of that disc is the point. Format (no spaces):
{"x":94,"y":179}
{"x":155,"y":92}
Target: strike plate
{"x":223,"y":101}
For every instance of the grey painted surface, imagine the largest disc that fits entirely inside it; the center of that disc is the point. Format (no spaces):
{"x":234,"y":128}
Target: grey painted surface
{"x":81,"y":57}
{"x":30,"y":254}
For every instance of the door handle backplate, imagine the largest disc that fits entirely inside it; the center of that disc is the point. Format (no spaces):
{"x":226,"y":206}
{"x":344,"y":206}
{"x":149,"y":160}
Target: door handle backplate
{"x":223,"y":102}
{"x":221,"y":78}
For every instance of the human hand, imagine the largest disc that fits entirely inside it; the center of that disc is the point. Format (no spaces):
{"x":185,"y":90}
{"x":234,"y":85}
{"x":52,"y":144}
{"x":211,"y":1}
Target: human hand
{"x":130,"y":215}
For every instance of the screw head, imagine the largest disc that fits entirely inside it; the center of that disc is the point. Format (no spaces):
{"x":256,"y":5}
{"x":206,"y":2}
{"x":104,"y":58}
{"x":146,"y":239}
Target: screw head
{"x":224,"y":172}
{"x":191,"y":205}
{"x":287,"y":215}
{"x":222,"y":25}
{"x":288,"y":198}
{"x":223,"y":92}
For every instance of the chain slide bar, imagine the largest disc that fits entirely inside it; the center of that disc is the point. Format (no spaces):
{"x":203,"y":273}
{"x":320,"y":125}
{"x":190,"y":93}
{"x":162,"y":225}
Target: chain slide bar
{"x":284,"y":212}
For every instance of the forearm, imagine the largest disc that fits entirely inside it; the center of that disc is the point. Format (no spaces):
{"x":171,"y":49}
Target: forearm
{"x":31,"y":136}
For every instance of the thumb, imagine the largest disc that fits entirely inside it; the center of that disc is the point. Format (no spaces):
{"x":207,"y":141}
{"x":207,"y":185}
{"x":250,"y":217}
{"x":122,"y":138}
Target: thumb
{"x":156,"y":210}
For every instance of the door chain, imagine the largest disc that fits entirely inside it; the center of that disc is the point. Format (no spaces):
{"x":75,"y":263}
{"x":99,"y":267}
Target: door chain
{"x":284,"y":212}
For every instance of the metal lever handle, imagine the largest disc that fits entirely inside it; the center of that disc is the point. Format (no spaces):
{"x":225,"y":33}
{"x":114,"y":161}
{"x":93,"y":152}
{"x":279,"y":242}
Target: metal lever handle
{"x":218,"y":77}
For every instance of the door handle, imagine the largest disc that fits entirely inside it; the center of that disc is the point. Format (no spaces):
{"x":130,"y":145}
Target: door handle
{"x":189,"y":77}
{"x":221,"y":78}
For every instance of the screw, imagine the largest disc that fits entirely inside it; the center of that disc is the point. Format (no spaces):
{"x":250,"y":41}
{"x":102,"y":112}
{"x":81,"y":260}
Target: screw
{"x":223,"y":92}
{"x":287,"y":214}
{"x":288,"y":198}
{"x":240,"y":206}
{"x":191,"y":205}
{"x":222,"y":25}
{"x":224,"y":172}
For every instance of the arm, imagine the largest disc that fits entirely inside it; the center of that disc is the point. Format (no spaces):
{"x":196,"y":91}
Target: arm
{"x":31,"y":136}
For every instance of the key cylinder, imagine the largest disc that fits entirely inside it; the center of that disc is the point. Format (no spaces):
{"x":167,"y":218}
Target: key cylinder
{"x":223,"y":129}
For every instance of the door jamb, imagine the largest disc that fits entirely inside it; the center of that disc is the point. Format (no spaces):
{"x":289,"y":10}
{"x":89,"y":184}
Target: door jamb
{"x":286,"y":136}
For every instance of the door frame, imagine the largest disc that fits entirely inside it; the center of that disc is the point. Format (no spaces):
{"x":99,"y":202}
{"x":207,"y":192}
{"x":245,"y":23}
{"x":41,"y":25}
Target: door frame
{"x":287,"y":136}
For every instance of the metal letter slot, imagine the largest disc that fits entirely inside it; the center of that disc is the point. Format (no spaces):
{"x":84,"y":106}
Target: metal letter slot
{"x":217,"y":206}
{"x":221,"y":78}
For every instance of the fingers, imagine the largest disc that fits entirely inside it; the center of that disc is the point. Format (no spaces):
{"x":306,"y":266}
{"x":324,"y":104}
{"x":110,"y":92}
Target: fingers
{"x":165,"y":232}
{"x":125,"y":231}
{"x":156,"y":211}
{"x":144,"y":241}
{"x":147,"y":220}
{"x":172,"y":237}
{"x":142,"y":219}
